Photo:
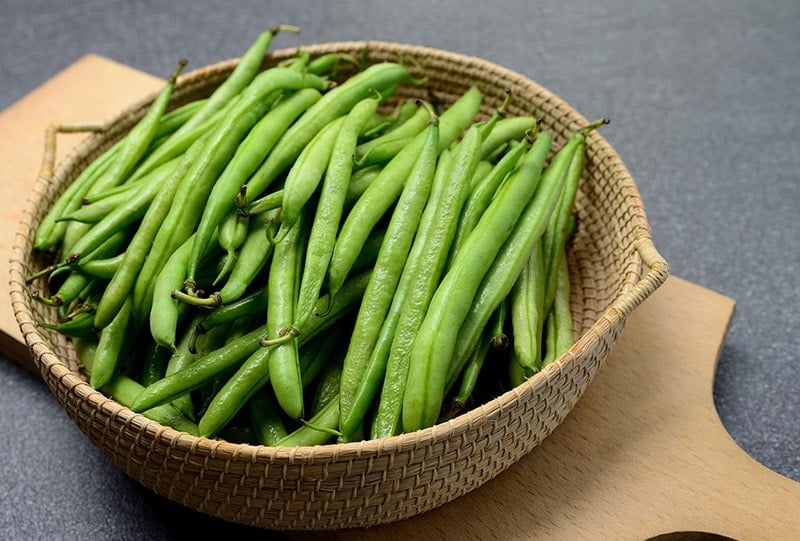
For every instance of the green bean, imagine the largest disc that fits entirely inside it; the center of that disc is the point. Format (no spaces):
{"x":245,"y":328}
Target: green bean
{"x":154,"y":363}
{"x":480,"y":197}
{"x":471,"y":372}
{"x":143,"y":190}
{"x":253,"y":257}
{"x":555,"y":236}
{"x":182,"y":218}
{"x":283,"y":282}
{"x":306,"y":174}
{"x":326,"y":64}
{"x":499,"y":339}
{"x":338,"y":101}
{"x":138,"y":139}
{"x":111,"y":346}
{"x":181,"y":357}
{"x":328,"y":385}
{"x":560,"y":336}
{"x":330,"y":206}
{"x":384,"y":190}
{"x":79,"y":326}
{"x":165,"y":313}
{"x":101,"y":268}
{"x":253,"y":304}
{"x":383,"y":148}
{"x":173,"y":120}
{"x":217,"y":362}
{"x":386,"y":275}
{"x":242,"y":75}
{"x":270,"y":201}
{"x":436,"y":340}
{"x":50,"y":231}
{"x":315,"y":354}
{"x":527,"y":311}
{"x":258,"y":144}
{"x":360,"y":179}
{"x":422,"y":274}
{"x":506,"y":268}
{"x":320,"y":429}
{"x":232,"y":234}
{"x":266,"y":418}
{"x":505,"y":130}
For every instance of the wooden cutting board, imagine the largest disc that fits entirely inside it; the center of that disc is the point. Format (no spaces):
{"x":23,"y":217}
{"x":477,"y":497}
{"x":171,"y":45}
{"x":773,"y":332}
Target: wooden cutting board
{"x":642,"y":454}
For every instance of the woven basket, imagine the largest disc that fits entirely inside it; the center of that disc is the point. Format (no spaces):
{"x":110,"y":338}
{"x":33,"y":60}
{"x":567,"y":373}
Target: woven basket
{"x":614,"y":267}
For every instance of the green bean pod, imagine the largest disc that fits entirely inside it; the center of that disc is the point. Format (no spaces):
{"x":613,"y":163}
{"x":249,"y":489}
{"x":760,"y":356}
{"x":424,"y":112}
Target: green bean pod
{"x":330,"y":206}
{"x":482,"y":194}
{"x":165,"y":314}
{"x":101,"y":268}
{"x":265,"y":416}
{"x":436,"y":340}
{"x":154,"y":363}
{"x":359,"y":181}
{"x":111,"y":346}
{"x":305,"y":175}
{"x":385,"y":189}
{"x":386,"y":274}
{"x":253,"y":257}
{"x":507,"y":129}
{"x":138,"y":139}
{"x":327,"y":387}
{"x":242,"y":75}
{"x":560,"y":331}
{"x":527,"y":307}
{"x":382,"y":149}
{"x":252,"y":305}
{"x":79,"y":326}
{"x":232,"y":234}
{"x":472,"y":370}
{"x":283,"y":283}
{"x":142,"y":190}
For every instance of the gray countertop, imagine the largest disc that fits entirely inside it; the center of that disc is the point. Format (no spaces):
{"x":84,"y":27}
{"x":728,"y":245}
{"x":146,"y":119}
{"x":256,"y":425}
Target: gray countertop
{"x":705,"y":113}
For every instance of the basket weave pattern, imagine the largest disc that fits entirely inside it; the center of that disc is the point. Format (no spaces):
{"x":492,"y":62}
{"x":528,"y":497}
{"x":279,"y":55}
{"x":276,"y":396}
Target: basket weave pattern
{"x":614,"y":267}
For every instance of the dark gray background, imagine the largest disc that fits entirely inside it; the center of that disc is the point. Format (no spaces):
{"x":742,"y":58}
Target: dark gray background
{"x":705,"y":111}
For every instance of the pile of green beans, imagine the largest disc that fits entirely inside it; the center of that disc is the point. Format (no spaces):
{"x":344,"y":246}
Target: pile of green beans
{"x":295,"y":262}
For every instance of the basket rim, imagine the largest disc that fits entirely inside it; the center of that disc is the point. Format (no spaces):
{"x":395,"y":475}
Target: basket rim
{"x":47,"y":360}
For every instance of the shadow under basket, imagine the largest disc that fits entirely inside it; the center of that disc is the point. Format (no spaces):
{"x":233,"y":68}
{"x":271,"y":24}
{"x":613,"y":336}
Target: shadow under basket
{"x":614,"y":267}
